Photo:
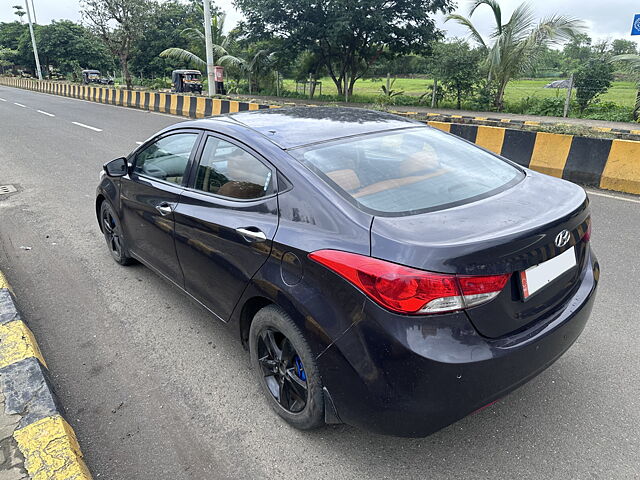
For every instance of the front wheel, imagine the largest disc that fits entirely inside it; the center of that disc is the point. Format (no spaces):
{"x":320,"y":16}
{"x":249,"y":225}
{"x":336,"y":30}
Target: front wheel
{"x":286,"y":368}
{"x":112,"y":231}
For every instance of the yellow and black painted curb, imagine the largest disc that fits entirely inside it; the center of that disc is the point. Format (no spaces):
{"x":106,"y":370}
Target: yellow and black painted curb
{"x":603,"y":163}
{"x":45,"y":439}
{"x":511,"y":123}
{"x":172,"y":103}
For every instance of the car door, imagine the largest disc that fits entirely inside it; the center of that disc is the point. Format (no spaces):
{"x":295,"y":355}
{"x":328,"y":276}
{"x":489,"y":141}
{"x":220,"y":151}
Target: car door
{"x":225,"y":222}
{"x":150,"y":196}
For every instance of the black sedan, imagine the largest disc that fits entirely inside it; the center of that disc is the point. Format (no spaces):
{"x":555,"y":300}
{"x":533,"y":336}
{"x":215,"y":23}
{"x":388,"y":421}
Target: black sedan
{"x":381,"y":273}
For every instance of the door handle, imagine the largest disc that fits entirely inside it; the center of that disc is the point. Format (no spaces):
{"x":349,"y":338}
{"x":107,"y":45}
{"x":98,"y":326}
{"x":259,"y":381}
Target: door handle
{"x":254,"y":235}
{"x":165,"y":208}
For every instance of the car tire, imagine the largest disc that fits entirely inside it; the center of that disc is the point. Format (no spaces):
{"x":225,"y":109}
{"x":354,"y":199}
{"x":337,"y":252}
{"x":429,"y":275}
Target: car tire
{"x":112,"y":230}
{"x":297,"y":367}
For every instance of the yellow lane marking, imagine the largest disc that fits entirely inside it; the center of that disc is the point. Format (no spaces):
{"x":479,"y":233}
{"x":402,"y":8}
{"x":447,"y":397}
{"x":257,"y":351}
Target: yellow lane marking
{"x":17,"y":343}
{"x":622,"y":170}
{"x":51,"y":450}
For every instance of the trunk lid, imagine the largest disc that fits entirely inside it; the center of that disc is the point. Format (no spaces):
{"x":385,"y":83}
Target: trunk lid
{"x":506,"y":233}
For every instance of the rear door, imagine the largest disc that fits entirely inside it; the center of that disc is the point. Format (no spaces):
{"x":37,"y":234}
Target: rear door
{"x":225,"y":222}
{"x":150,"y":196}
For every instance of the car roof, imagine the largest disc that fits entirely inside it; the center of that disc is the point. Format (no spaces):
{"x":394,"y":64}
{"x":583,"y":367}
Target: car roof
{"x":188,"y":71}
{"x":297,"y":126}
{"x":90,"y":71}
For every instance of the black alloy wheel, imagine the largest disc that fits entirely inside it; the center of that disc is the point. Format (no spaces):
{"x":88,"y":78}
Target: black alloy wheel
{"x":286,"y":369}
{"x":113,"y":234}
{"x":283,"y":370}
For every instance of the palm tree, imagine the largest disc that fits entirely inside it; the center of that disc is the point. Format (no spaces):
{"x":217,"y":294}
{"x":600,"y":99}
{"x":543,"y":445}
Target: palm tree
{"x":515,"y":45}
{"x":633,"y":62}
{"x":261,"y":60}
{"x":219,"y":40}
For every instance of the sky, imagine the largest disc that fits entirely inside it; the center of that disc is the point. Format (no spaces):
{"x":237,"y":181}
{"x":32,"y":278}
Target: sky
{"x":604,"y":20}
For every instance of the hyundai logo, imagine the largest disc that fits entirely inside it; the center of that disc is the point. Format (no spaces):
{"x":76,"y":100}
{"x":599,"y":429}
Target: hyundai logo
{"x":562,"y":238}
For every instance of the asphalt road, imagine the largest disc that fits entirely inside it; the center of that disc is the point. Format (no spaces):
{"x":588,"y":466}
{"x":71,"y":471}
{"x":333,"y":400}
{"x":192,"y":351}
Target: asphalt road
{"x":156,"y":389}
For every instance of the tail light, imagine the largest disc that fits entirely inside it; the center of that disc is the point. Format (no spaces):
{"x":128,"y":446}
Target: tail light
{"x":408,"y":290}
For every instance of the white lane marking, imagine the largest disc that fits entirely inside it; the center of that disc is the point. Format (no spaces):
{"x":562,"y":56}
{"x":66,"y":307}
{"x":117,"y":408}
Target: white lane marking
{"x":87,"y":126}
{"x":139,"y":143}
{"x":46,"y":113}
{"x":19,"y":104}
{"x":2,"y":100}
{"x":615,"y":197}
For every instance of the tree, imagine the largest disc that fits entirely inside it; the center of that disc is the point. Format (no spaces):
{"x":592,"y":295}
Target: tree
{"x":19,"y":11}
{"x":171,"y":24}
{"x":623,"y":47}
{"x":349,"y":36}
{"x":220,"y":42}
{"x":456,"y":66}
{"x":591,"y":79}
{"x":64,"y":45}
{"x":119,"y":23}
{"x":517,"y":43}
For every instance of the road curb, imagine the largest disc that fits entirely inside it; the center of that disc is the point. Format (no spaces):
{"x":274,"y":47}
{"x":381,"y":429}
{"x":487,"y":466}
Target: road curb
{"x":598,"y":162}
{"x":45,"y":439}
{"x":625,"y":134}
{"x":172,"y":103}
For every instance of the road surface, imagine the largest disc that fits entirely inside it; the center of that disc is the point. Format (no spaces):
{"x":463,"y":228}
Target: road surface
{"x":156,"y":389}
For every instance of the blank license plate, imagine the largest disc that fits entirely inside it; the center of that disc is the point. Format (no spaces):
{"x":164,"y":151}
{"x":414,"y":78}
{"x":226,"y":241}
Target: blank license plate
{"x":536,"y":277}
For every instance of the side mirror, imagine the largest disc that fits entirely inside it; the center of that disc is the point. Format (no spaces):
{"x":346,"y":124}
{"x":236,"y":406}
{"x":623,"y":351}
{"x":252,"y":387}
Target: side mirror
{"x":117,"y":167}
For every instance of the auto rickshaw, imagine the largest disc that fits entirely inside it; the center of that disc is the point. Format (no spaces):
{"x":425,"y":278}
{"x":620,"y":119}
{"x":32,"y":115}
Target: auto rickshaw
{"x":186,"y":81}
{"x":93,"y":76}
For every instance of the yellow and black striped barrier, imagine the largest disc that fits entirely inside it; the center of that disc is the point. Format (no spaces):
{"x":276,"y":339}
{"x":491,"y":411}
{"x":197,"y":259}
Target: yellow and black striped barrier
{"x":604,"y":163}
{"x":628,"y":134}
{"x":45,"y":439}
{"x":172,"y":103}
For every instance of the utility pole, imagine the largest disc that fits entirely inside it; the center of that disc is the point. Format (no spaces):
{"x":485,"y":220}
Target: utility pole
{"x":33,"y":9}
{"x":567,"y":101}
{"x":209,"y":47}
{"x":33,"y":41}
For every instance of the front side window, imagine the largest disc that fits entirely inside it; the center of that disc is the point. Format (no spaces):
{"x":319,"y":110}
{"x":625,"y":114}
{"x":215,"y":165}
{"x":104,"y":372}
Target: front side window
{"x":227,"y":170}
{"x":410,"y":171}
{"x":166,"y":159}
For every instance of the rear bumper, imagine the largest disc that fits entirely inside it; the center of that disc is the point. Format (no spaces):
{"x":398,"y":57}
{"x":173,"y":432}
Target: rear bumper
{"x":411,"y":376}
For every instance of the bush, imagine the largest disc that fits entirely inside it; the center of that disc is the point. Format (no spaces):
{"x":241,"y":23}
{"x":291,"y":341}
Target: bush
{"x":608,"y":111}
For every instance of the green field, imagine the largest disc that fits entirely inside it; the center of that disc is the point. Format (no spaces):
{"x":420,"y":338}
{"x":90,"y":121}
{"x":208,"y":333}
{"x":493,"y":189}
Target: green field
{"x":621,"y":93}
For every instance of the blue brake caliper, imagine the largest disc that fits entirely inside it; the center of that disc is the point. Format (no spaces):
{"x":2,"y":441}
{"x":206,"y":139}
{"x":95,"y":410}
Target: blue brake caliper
{"x":300,"y":368}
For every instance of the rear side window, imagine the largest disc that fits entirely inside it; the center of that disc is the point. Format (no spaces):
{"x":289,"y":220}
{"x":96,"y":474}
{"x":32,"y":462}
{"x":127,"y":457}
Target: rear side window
{"x":227,"y":170}
{"x":411,"y":171}
{"x":167,"y":158}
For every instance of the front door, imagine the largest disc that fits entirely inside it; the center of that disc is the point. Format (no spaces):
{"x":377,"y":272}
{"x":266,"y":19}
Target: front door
{"x":149,"y":197}
{"x":225,"y":223}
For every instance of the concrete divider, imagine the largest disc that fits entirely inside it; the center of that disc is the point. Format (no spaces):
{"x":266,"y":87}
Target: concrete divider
{"x":597,"y":162}
{"x":47,"y":443}
{"x":172,"y":103}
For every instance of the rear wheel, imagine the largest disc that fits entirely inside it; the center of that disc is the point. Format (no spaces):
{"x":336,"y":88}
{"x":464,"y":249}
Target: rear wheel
{"x":285,"y":368}
{"x":112,"y":231}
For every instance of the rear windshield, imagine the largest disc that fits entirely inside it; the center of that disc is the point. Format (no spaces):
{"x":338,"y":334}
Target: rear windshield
{"x":410,"y":171}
